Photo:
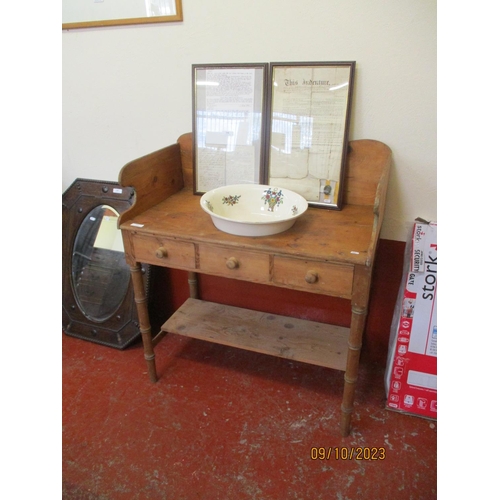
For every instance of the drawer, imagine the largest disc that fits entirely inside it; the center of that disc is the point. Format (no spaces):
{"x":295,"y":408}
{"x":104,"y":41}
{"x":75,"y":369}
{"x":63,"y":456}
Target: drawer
{"x":234,"y":263}
{"x":164,"y":252}
{"x":312,"y":276}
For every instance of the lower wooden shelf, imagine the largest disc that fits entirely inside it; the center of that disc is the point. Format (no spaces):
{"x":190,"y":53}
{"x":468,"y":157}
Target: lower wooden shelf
{"x":301,"y":340}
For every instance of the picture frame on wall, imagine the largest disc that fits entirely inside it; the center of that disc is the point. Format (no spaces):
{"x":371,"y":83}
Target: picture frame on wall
{"x":78,"y":14}
{"x":229,"y":124}
{"x":308,"y":132}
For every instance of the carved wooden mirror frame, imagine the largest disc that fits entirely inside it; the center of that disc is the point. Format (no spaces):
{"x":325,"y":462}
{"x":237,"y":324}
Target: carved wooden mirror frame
{"x":121,"y":327}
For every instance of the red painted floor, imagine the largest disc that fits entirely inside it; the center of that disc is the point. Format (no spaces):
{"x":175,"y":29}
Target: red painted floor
{"x":222,"y":423}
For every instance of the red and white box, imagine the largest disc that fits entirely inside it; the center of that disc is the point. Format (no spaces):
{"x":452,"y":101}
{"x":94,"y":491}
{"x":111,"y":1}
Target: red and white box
{"x":411,"y":371}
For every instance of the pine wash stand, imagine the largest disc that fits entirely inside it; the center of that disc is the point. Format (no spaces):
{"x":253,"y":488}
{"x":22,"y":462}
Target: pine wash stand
{"x":326,"y":252}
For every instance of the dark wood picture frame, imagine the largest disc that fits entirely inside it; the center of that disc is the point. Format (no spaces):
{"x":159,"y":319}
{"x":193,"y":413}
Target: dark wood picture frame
{"x":308,"y":132}
{"x":229,"y":124}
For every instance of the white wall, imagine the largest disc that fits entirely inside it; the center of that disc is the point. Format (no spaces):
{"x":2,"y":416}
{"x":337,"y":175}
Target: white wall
{"x":127,"y":90}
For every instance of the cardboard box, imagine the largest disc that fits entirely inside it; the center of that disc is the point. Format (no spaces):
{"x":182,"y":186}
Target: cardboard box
{"x":411,"y":372}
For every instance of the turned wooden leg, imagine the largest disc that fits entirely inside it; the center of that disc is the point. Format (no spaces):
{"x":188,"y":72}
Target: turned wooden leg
{"x":361,"y":290}
{"x":193,"y":284}
{"x":141,"y":302}
{"x":351,"y":374}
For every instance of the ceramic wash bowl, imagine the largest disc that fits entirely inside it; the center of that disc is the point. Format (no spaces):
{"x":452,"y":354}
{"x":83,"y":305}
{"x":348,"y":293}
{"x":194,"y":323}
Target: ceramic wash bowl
{"x":253,"y":209}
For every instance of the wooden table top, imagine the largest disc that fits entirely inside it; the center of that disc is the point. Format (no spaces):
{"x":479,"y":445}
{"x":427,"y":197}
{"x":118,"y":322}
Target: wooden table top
{"x":346,"y":236}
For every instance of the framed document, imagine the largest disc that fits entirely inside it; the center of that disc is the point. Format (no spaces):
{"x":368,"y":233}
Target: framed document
{"x":310,"y":106}
{"x":100,"y":13}
{"x":229,"y":117}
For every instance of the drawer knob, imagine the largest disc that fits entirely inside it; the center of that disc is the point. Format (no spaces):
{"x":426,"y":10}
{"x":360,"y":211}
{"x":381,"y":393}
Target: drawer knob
{"x":162,"y":253}
{"x":232,"y":263}
{"x":311,"y":277}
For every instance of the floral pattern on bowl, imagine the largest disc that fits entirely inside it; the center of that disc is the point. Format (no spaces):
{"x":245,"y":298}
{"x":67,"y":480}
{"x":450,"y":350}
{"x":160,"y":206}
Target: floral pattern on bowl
{"x":273,"y":197}
{"x":231,"y":200}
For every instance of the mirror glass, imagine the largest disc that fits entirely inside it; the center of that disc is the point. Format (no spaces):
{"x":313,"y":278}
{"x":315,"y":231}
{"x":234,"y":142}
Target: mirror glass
{"x":99,"y":274}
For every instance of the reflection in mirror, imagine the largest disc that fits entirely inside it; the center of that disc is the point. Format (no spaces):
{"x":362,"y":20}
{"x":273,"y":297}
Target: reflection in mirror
{"x":100,"y":275}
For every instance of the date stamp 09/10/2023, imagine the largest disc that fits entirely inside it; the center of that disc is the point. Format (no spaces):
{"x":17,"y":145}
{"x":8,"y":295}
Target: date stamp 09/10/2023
{"x":346,"y":453}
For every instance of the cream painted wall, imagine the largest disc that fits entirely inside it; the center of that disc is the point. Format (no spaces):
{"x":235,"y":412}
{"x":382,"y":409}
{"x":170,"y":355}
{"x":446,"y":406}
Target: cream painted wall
{"x":127,"y":90}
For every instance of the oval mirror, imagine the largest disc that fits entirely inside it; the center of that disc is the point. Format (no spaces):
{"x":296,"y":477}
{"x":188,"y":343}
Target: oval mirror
{"x":94,"y":273}
{"x":99,"y":274}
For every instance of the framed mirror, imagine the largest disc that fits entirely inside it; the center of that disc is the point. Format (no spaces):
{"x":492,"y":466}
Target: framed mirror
{"x":101,"y":13}
{"x":98,"y":303}
{"x":310,"y":107}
